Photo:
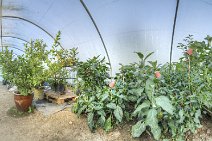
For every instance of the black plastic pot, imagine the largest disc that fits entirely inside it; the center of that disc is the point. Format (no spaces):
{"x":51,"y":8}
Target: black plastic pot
{"x":60,"y":88}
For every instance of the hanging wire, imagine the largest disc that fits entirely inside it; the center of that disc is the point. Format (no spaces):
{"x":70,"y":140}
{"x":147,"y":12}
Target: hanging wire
{"x":50,"y":6}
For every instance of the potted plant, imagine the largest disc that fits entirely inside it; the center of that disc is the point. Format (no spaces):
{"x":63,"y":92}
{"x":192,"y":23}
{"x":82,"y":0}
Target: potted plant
{"x":16,"y":70}
{"x":57,"y":64}
{"x":25,"y":71}
{"x":58,"y":78}
{"x":38,"y":55}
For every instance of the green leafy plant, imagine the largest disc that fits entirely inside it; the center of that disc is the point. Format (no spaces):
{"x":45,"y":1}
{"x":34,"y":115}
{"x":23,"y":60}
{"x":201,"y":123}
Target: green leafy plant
{"x":7,"y":69}
{"x":166,"y":101}
{"x":36,"y":56}
{"x":104,"y":106}
{"x":92,"y":74}
{"x":148,"y":110}
{"x":57,"y":62}
{"x":26,"y":71}
{"x":142,"y":91}
{"x":184,"y":83}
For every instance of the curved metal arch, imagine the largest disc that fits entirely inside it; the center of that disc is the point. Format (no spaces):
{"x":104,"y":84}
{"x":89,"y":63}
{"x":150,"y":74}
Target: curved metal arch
{"x":23,"y":19}
{"x":98,"y":31}
{"x":173,"y":30}
{"x":8,"y":36}
{"x":1,"y":19}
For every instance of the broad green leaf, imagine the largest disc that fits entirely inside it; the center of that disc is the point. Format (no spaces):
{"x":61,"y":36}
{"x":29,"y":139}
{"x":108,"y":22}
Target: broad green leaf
{"x":182,"y":117}
{"x":132,"y":98}
{"x":127,"y":115}
{"x":154,"y":64}
{"x":148,"y":55}
{"x":108,"y":124}
{"x":139,"y":91}
{"x":101,"y":121}
{"x":197,"y":116}
{"x":166,"y":140}
{"x":165,"y":104}
{"x":111,"y":105}
{"x":104,"y":96}
{"x":149,"y":89}
{"x":118,"y":113}
{"x":145,"y":104}
{"x":138,"y":129}
{"x":80,"y":110}
{"x":151,"y":118}
{"x":140,"y":55}
{"x":152,"y":121}
{"x":101,"y":113}
{"x":97,"y":108}
{"x":90,"y":121}
{"x":173,"y":127}
{"x":156,"y":131}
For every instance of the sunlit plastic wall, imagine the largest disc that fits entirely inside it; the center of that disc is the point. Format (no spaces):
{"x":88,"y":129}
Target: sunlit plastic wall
{"x":127,"y":26}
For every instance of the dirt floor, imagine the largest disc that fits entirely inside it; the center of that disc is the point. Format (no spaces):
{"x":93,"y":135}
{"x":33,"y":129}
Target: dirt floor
{"x":65,"y":126}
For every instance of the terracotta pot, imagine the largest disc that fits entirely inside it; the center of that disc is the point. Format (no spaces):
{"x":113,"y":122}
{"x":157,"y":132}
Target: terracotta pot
{"x":23,"y":102}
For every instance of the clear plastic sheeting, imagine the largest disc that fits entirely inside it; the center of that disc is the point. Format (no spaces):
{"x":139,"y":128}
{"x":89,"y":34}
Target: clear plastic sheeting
{"x":24,"y":31}
{"x":130,"y":27}
{"x":194,"y":18}
{"x":127,"y":26}
{"x":13,"y":43}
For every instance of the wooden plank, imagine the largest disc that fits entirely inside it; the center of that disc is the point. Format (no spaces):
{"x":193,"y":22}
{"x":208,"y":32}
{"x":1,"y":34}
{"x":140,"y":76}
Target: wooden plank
{"x":57,"y":98}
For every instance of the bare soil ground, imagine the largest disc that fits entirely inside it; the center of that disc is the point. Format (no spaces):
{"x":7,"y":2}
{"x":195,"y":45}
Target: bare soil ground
{"x":65,"y":126}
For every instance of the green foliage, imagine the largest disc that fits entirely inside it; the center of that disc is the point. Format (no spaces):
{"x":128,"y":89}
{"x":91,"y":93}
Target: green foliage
{"x":168,"y":106}
{"x":138,"y":129}
{"x":57,"y":62}
{"x":28,"y":70}
{"x":7,"y":68}
{"x":118,"y":113}
{"x":36,"y":56}
{"x":152,"y":122}
{"x":106,"y":104}
{"x":92,"y":74}
{"x":37,"y":65}
{"x":165,"y":104}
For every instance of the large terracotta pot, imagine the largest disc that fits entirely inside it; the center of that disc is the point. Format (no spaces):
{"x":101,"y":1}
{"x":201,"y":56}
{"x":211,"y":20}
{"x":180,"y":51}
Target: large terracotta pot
{"x":23,"y":102}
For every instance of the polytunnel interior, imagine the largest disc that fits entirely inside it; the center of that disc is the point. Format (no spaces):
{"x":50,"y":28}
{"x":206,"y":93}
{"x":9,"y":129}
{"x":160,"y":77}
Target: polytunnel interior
{"x":111,"y":28}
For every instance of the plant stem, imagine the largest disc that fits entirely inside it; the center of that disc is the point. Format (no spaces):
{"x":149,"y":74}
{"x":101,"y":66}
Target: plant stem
{"x":189,"y":72}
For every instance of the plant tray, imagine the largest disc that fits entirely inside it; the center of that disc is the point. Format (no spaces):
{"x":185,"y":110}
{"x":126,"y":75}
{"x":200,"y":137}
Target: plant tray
{"x":58,"y":98}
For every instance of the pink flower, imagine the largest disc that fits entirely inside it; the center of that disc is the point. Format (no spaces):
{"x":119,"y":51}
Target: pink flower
{"x":157,"y":74}
{"x":189,"y":51}
{"x":112,"y":84}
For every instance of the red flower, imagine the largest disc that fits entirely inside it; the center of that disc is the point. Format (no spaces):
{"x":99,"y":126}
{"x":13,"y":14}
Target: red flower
{"x":189,"y":51}
{"x":157,"y":74}
{"x":112,"y":84}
